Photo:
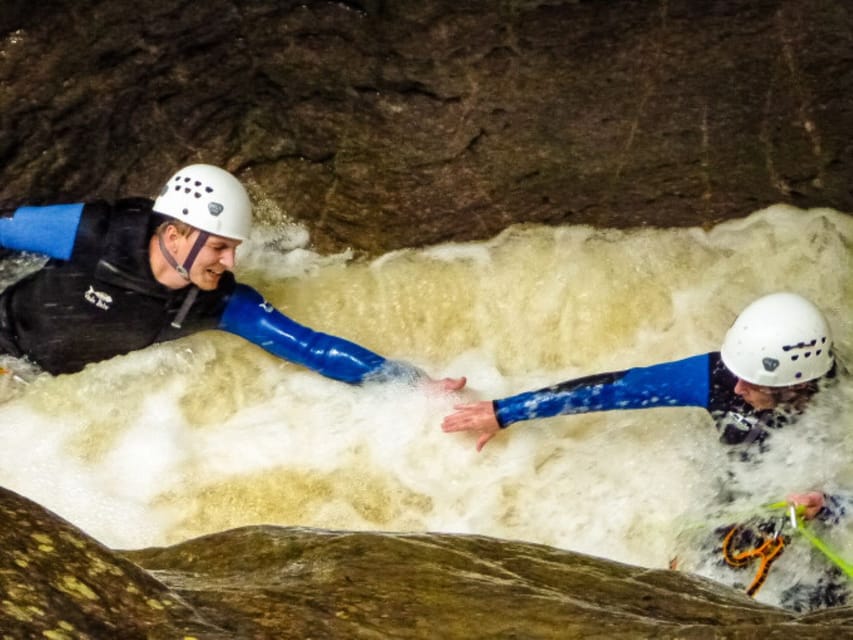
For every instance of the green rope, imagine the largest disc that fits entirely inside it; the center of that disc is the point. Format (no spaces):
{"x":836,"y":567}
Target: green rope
{"x":798,"y":521}
{"x":821,"y":546}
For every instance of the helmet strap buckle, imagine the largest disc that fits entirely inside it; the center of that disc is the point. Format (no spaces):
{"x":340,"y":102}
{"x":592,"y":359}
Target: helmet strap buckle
{"x":184,"y":269}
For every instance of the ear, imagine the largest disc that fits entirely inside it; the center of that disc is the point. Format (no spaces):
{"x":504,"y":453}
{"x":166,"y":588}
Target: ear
{"x":171,"y":236}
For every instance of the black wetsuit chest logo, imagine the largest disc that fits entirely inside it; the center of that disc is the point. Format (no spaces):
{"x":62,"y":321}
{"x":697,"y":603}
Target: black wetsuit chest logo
{"x":100,"y":299}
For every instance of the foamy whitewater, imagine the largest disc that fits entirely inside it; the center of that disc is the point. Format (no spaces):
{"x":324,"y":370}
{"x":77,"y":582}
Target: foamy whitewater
{"x":211,"y":432}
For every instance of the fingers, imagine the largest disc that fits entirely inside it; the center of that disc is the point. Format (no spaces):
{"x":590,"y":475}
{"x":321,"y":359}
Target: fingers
{"x":446,"y":385}
{"x":810,"y":499}
{"x":813,"y":502}
{"x":453,"y":384}
{"x":456,"y":422}
{"x":482,"y":440}
{"x":466,"y":417}
{"x":473,"y":416}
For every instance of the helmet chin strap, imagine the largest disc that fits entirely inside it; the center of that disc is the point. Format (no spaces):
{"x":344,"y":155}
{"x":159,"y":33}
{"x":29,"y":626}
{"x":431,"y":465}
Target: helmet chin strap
{"x":184,"y":269}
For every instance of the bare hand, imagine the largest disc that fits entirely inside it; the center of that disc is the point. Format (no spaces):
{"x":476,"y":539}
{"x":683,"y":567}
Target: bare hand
{"x":813,"y":502}
{"x":446,"y":385}
{"x":452,"y":384}
{"x":474,"y":416}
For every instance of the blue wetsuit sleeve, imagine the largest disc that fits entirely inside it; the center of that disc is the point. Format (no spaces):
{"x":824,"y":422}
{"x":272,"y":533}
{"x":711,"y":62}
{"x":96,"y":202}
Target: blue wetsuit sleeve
{"x":249,"y":316}
{"x":48,"y":230}
{"x":670,"y":384}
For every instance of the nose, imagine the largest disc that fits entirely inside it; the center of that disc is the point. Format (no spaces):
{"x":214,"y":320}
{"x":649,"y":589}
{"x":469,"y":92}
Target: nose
{"x":228,"y":257}
{"x":741,"y":387}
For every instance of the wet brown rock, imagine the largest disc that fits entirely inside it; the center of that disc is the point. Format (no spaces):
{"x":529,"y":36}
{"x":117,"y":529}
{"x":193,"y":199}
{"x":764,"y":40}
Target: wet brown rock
{"x":322,"y":584}
{"x":58,"y":583}
{"x":389,"y":124}
{"x":276,"y":582}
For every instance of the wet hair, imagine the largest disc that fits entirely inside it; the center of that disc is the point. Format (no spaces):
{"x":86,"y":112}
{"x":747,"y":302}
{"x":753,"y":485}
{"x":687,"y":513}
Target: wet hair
{"x":798,"y":395}
{"x":182,"y":228}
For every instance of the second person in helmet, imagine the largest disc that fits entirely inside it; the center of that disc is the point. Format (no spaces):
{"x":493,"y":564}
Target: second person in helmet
{"x":123,"y":276}
{"x":767,"y":369}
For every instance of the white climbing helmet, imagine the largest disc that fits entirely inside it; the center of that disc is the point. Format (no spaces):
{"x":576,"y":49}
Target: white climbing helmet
{"x":207,"y":198}
{"x":779,"y":340}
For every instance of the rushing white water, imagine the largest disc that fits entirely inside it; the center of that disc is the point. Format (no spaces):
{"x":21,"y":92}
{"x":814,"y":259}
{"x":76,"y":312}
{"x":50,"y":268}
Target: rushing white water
{"x":210,"y":432}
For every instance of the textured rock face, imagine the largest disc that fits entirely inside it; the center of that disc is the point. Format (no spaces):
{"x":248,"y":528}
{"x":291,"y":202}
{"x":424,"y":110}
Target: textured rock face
{"x":258,"y":582}
{"x":389,"y":124}
{"x":58,"y":583}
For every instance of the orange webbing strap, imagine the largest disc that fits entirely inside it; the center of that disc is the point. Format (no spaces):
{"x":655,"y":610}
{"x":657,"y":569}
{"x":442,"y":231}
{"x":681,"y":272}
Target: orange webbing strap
{"x":767,"y":552}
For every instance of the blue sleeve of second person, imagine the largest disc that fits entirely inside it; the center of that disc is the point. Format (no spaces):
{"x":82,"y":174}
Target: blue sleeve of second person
{"x":49,"y":230}
{"x":670,"y":384}
{"x":249,"y":316}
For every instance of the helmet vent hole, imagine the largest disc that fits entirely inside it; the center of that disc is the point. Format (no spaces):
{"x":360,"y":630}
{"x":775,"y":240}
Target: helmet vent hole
{"x":209,"y":189}
{"x":187,"y":189}
{"x":793,"y":358}
{"x":185,"y":211}
{"x":197,"y":194}
{"x":798,"y":375}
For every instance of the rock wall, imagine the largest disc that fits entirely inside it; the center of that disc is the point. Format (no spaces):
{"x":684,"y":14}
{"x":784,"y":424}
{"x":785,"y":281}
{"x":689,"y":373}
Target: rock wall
{"x":273,"y":583}
{"x":384,"y":124}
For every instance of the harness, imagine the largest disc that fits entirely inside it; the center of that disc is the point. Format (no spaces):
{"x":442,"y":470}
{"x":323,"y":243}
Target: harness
{"x":769,"y":549}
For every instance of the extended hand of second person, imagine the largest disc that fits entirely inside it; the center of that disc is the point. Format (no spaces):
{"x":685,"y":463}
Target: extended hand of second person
{"x":473,"y":416}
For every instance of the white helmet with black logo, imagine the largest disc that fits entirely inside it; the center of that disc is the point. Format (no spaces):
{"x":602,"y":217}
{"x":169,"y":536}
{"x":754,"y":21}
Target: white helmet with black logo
{"x":779,"y":340}
{"x":207,"y":198}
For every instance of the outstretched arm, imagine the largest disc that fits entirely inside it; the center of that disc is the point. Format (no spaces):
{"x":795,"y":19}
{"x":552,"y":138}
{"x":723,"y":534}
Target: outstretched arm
{"x":671,"y":384}
{"x":49,"y":230}
{"x":249,"y":316}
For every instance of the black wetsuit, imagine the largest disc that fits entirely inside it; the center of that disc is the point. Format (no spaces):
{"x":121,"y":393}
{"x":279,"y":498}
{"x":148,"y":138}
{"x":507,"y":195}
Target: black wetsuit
{"x":105,"y":301}
{"x":97,"y":298}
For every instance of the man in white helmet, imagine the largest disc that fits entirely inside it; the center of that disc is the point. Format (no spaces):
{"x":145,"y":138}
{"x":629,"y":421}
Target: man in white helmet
{"x":769,"y":366}
{"x":124,"y":276}
{"x":770,"y":363}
